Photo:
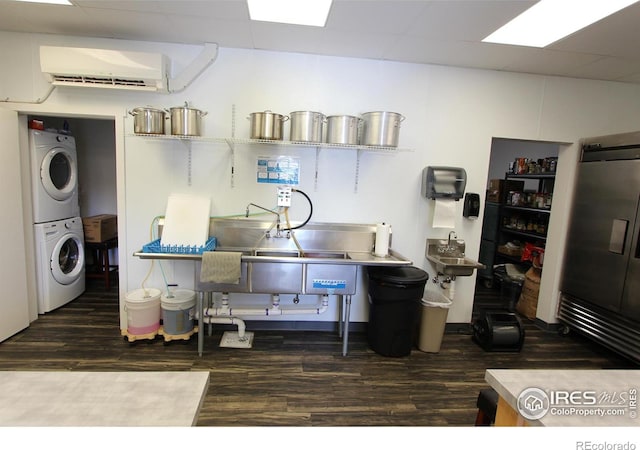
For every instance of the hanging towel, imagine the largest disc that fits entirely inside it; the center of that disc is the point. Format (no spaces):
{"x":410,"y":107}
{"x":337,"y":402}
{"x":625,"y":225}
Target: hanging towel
{"x":221,"y":267}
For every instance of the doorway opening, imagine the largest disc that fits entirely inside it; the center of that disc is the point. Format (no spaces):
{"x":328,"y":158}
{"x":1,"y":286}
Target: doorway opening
{"x":95,"y":142}
{"x":520,"y":184}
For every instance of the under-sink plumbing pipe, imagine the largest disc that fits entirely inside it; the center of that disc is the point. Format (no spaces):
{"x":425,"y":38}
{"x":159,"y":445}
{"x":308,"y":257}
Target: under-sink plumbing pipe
{"x":448,"y":285}
{"x":227,"y":320}
{"x":452,"y":289}
{"x":274,"y":310}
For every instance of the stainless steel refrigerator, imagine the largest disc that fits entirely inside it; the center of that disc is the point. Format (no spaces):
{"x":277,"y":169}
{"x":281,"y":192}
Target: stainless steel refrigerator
{"x":601,"y":276}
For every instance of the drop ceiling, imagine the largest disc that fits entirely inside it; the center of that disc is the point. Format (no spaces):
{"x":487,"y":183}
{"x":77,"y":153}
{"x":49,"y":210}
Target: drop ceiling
{"x":447,"y":32}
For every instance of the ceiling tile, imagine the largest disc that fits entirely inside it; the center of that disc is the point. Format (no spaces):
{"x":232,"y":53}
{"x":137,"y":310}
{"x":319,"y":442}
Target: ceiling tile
{"x":618,"y":35}
{"x":198,"y":30}
{"x":218,"y":9}
{"x":374,"y":16}
{"x":418,"y":31}
{"x":606,"y":68}
{"x":465,"y":20}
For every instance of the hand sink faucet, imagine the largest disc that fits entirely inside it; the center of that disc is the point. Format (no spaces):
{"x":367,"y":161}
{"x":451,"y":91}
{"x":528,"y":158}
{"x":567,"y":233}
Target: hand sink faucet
{"x":449,"y":240}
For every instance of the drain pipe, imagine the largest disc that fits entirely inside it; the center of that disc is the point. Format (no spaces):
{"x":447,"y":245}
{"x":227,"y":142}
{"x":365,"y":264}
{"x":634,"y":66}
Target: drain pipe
{"x":275,"y":310}
{"x":227,"y":320}
{"x":448,"y":285}
{"x":452,"y":288}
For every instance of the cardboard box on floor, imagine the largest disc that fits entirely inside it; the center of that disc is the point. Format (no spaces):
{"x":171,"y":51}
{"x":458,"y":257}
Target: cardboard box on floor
{"x":100,"y":228}
{"x":528,"y":302}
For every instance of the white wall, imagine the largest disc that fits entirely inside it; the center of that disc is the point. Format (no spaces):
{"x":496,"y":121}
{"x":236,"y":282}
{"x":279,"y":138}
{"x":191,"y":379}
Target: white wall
{"x":14,"y":309}
{"x":452,"y":114}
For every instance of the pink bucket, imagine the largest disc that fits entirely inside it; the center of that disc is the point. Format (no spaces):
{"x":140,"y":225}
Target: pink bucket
{"x":143,"y":311}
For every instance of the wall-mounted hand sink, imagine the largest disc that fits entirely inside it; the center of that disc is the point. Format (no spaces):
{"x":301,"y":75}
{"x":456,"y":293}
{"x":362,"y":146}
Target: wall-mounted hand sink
{"x":449,"y":259}
{"x":461,"y":267}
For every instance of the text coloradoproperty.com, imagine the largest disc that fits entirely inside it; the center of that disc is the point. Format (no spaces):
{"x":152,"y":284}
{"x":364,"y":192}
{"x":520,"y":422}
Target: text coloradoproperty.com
{"x":573,"y":411}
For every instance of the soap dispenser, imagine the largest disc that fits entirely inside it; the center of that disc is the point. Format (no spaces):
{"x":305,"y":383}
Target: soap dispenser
{"x":471,"y":209}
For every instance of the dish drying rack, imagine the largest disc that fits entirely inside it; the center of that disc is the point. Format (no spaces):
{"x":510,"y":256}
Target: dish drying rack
{"x":157,"y":247}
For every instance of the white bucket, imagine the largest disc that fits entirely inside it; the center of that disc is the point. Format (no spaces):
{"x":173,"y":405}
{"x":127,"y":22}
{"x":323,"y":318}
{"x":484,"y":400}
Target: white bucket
{"x":178,"y":311}
{"x":143,"y":311}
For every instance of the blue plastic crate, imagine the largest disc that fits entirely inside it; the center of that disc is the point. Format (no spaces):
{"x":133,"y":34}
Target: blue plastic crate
{"x":156,"y":247}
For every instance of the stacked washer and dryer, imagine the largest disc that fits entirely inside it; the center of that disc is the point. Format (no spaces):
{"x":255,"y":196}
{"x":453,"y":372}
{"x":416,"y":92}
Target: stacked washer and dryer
{"x":59,"y":238}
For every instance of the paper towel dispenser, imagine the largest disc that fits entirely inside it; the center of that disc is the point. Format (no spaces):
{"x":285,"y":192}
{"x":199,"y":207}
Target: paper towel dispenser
{"x":443,"y":182}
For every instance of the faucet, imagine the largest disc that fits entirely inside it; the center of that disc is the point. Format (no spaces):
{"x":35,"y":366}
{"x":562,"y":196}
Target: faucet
{"x":449,"y":240}
{"x":278,"y":234}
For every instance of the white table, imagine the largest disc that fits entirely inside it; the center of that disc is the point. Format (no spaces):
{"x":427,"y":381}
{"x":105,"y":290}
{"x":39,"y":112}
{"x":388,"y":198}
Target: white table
{"x":101,"y":398}
{"x":603,"y":398}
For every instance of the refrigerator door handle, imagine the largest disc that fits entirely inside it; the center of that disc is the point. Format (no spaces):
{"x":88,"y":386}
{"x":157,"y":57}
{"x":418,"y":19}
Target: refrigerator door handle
{"x":618,"y":236}
{"x":637,"y":254}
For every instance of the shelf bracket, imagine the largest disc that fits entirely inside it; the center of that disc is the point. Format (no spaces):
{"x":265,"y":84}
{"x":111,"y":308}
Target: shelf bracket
{"x":355,"y":187}
{"x":315,"y":176}
{"x":232,"y":145}
{"x":187,"y":144}
{"x":232,"y":149}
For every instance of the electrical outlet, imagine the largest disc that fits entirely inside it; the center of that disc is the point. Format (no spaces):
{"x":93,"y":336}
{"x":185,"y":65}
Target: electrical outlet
{"x":284,"y":196}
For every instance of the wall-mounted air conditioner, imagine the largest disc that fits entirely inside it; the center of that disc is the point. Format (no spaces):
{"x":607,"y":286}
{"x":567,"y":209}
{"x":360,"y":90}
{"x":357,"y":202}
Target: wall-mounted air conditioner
{"x":114,"y":69}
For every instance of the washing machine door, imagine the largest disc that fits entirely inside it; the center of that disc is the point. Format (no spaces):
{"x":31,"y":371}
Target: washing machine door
{"x":67,"y":259}
{"x":58,"y":173}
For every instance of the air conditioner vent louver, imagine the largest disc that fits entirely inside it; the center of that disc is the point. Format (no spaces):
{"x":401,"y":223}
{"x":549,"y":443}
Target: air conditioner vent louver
{"x":67,"y":80}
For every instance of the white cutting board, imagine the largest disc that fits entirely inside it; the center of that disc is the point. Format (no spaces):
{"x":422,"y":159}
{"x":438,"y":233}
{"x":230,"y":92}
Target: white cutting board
{"x":186,"y":221}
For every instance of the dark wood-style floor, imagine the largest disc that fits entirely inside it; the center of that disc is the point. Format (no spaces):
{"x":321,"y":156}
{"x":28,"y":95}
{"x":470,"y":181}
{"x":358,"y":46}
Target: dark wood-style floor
{"x":293,"y":378}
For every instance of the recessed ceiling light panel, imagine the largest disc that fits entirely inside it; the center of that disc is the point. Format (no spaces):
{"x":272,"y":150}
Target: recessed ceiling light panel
{"x":550,"y":20}
{"x":52,"y":2}
{"x":297,"y":12}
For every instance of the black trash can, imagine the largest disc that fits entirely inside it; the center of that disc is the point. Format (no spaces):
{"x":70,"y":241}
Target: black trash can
{"x":395,"y":294}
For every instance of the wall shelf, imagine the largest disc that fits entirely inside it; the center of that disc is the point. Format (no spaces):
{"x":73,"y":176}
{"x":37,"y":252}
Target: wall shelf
{"x":525,"y":215}
{"x":232,"y":142}
{"x":504,"y":223}
{"x":527,"y":209}
{"x":524,"y":234}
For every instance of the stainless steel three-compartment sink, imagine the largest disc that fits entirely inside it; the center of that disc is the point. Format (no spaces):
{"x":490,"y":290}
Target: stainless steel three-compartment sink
{"x":323,"y":261}
{"x":271,"y":264}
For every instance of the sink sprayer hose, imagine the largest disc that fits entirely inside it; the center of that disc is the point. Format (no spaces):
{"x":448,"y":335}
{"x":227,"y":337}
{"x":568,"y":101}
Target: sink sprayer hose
{"x":308,"y":217}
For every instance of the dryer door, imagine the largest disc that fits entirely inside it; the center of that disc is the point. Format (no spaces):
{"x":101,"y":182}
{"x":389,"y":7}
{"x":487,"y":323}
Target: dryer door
{"x":67,"y":259}
{"x":58,"y":173}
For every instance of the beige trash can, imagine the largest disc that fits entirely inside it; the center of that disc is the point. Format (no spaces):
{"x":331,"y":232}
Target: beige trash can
{"x":434,"y":311}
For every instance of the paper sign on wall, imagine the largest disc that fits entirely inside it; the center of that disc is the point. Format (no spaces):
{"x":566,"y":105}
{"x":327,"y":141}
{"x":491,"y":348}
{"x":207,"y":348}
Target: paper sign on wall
{"x":278,"y":170}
